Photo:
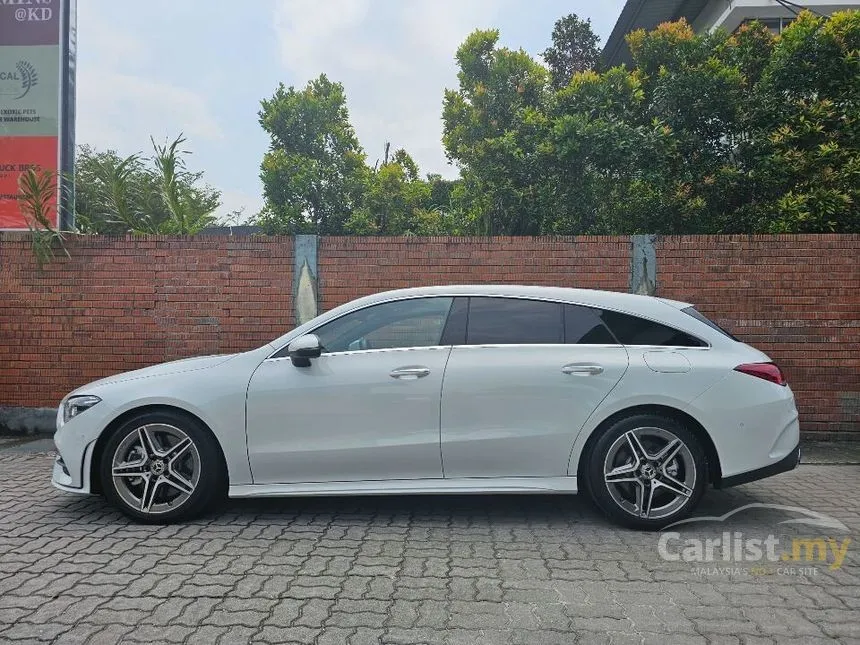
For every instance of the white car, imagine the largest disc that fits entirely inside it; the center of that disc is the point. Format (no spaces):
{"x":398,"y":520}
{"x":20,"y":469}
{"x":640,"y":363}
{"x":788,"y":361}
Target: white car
{"x":640,"y":401}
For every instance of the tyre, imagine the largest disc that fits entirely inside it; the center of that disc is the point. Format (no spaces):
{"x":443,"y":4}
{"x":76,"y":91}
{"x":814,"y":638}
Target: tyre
{"x":162,"y":467}
{"x":646,"y":471}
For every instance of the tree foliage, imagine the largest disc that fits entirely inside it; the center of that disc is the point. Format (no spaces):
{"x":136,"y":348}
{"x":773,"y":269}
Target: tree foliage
{"x":137,"y":194}
{"x":574,"y":50}
{"x":314,"y":172}
{"x":317,"y":180}
{"x":709,"y":133}
{"x":705,"y":133}
{"x":493,"y":127}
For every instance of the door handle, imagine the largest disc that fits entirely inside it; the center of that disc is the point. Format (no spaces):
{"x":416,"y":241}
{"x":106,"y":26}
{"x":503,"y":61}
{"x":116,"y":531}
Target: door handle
{"x":410,"y":373}
{"x":581,"y":368}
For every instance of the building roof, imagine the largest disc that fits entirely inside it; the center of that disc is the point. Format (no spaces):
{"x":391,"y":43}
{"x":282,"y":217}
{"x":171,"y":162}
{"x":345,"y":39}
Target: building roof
{"x":645,"y":14}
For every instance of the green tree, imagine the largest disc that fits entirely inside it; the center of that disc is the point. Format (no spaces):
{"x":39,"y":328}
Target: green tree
{"x":574,"y":49}
{"x":136,"y":194}
{"x":314,"y":172}
{"x":393,"y":193}
{"x":492,"y":128}
{"x":397,"y":201}
{"x":705,"y":133}
{"x":763,"y":130}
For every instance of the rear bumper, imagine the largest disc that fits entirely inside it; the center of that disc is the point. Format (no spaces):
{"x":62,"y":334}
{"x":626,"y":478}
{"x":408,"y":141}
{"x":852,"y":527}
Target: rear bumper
{"x":789,"y":462}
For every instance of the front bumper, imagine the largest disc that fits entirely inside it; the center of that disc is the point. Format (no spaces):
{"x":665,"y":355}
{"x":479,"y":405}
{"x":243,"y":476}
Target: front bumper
{"x":74,"y":442}
{"x":70,"y":479}
{"x":62,"y":479}
{"x":787,"y":463}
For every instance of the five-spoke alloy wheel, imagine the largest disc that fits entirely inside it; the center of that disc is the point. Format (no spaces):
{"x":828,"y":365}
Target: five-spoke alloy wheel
{"x":646,"y":471}
{"x":162,"y":466}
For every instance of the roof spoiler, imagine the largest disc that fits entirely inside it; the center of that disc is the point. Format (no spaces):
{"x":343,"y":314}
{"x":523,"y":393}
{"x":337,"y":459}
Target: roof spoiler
{"x":676,"y":303}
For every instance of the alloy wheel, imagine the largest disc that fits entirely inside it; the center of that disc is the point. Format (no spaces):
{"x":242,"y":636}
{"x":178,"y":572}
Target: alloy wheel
{"x":650,"y":473}
{"x":156,"y":468}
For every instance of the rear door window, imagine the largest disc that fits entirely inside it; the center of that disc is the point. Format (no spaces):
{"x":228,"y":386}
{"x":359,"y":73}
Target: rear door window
{"x":510,"y":321}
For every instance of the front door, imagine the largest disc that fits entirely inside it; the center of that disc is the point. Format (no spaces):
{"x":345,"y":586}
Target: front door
{"x":367,"y":409}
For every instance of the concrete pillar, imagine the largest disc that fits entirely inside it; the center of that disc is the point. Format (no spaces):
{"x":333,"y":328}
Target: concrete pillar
{"x":305,"y":278}
{"x":643,"y":265}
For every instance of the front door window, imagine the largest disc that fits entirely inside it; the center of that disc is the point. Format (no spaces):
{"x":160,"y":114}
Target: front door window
{"x":400,"y":324}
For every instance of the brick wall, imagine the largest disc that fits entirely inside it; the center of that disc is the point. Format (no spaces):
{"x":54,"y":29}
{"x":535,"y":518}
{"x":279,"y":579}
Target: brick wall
{"x":122,"y":303}
{"x":797,"y":298}
{"x":351,"y":267}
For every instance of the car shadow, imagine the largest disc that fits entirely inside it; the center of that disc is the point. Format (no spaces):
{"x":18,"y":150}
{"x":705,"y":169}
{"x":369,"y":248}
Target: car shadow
{"x":489,"y":510}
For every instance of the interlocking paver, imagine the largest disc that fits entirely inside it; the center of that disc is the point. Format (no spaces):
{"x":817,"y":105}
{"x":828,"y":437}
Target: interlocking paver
{"x":382,"y":571}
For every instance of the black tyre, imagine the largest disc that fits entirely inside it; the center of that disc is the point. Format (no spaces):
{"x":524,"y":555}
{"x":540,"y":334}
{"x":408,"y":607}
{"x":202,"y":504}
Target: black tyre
{"x":162,"y":467}
{"x":646,"y":471}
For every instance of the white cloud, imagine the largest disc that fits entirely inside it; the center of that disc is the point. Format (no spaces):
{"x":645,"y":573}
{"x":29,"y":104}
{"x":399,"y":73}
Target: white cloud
{"x":120,"y":109}
{"x":394,"y":58}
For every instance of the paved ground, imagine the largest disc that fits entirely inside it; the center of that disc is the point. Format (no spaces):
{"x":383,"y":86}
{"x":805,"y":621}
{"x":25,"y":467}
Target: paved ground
{"x":496,"y":570}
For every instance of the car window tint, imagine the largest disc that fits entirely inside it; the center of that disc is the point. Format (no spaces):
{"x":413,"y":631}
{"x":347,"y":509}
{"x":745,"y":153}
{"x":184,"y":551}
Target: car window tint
{"x":508,"y":321}
{"x":404,"y":323}
{"x":584,"y":326}
{"x":632,"y":330}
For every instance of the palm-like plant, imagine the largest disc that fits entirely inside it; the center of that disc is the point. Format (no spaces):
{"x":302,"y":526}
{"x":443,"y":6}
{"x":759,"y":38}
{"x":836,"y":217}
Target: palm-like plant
{"x":130,"y":195}
{"x":37,"y":191}
{"x":187,"y":215}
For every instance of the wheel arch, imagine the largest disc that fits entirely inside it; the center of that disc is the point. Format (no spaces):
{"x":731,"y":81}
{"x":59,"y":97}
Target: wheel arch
{"x":110,"y":428}
{"x":690,"y":422}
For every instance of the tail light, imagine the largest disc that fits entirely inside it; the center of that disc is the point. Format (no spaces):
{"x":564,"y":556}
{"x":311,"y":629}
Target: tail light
{"x":767,"y":371}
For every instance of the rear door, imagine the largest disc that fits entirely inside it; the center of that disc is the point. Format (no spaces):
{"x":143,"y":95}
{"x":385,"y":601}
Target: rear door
{"x":520,"y":383}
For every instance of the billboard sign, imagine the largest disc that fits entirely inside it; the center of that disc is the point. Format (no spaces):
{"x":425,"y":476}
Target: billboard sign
{"x":36,"y":97}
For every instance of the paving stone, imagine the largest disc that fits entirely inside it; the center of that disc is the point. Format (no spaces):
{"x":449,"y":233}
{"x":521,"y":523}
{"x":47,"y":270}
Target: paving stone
{"x":490,"y":570}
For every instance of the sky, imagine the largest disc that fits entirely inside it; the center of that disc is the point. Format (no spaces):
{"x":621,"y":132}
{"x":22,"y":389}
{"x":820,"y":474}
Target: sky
{"x":201,"y":67}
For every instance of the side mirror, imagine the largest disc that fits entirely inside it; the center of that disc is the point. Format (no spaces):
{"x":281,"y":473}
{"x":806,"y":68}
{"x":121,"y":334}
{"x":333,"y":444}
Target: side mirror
{"x":303,"y":349}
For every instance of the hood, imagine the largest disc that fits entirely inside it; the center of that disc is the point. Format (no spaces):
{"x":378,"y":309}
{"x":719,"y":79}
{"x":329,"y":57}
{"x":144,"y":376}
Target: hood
{"x":162,"y":369}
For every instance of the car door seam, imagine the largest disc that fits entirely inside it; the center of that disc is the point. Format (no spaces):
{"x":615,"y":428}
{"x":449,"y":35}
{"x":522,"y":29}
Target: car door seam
{"x":594,"y":412}
{"x":441,"y":397}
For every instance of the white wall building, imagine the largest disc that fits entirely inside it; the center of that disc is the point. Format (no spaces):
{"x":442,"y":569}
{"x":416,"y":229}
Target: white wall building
{"x":707,"y":15}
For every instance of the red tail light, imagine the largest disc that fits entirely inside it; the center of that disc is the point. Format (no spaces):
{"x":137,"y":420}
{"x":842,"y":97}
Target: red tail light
{"x":767,"y":371}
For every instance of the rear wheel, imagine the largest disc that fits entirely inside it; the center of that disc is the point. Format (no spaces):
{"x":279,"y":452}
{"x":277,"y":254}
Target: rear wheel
{"x":162,"y":467}
{"x":646,"y":472}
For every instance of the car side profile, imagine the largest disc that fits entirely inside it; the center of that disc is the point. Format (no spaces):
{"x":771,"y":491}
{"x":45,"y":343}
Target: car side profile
{"x":641,"y":402}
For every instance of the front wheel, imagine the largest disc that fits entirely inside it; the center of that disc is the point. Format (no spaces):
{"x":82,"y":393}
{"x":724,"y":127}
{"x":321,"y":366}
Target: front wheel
{"x":161,"y":467}
{"x":646,"y":472}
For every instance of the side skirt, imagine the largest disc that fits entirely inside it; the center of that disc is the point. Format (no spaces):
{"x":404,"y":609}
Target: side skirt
{"x":457,"y":485}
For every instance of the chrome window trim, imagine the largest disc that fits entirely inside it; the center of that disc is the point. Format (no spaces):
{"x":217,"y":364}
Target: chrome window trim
{"x":470,"y":294}
{"x":371,"y":351}
{"x":524,"y":345}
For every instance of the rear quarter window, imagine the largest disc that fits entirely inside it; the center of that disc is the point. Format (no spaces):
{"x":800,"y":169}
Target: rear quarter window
{"x":632,"y":330}
{"x":691,"y":311}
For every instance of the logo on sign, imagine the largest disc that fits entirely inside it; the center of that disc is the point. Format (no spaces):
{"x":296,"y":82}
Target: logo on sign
{"x":41,"y":13}
{"x":19,"y":81}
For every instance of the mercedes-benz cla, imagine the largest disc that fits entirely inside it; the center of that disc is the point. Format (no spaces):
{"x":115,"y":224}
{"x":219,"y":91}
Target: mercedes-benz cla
{"x":641,"y":402}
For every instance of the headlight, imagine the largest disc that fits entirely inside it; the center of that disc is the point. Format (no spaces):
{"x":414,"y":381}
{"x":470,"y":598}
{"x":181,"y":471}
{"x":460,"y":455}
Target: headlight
{"x":77,"y":404}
